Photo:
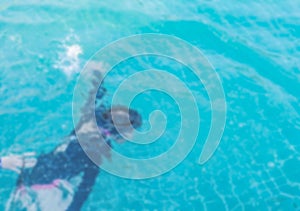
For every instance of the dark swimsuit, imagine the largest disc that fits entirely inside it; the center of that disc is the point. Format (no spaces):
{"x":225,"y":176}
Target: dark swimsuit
{"x":63,"y":165}
{"x":66,"y":162}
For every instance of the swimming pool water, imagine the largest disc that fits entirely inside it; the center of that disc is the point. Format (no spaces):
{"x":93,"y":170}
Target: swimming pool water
{"x":255,"y":49}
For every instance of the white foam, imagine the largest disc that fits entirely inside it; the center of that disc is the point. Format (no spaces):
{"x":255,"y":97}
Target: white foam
{"x":69,"y":61}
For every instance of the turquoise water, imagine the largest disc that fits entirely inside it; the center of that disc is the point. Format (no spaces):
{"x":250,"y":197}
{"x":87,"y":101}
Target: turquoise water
{"x":254,"y":48}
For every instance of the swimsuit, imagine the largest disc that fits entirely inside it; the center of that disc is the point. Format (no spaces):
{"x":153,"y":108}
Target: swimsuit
{"x":64,"y":163}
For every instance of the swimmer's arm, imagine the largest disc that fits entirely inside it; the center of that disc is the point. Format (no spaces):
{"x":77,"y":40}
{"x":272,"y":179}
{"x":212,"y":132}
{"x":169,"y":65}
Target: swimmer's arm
{"x":84,"y":188}
{"x":96,"y":89}
{"x":87,"y":112}
{"x":17,"y":162}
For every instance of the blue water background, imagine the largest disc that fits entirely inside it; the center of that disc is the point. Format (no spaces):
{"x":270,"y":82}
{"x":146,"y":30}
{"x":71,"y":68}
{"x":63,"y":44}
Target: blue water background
{"x":255,"y":49}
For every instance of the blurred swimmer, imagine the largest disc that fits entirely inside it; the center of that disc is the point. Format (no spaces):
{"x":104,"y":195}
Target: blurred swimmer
{"x":49,"y":185}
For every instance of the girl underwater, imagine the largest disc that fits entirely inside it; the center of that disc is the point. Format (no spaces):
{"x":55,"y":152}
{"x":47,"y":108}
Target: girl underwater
{"x":49,"y":185}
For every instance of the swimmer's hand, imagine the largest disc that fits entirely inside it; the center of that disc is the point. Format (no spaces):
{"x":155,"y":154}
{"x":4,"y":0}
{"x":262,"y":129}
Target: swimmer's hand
{"x":17,"y":162}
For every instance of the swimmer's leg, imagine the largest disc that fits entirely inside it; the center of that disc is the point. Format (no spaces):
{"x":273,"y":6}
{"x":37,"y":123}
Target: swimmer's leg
{"x":22,"y":199}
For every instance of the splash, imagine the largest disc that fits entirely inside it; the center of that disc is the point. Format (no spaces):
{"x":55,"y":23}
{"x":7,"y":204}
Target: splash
{"x":68,"y":59}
